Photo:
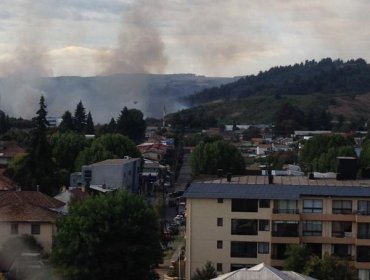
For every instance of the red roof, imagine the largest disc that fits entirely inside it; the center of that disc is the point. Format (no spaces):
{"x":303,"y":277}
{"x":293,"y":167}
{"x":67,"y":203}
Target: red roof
{"x":6,"y":184}
{"x":32,"y":197}
{"x":11,"y":149}
{"x":28,"y":206}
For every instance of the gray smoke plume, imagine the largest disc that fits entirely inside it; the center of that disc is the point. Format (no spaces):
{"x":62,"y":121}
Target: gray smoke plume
{"x":140,"y":50}
{"x":19,"y":89}
{"x":140,"y":47}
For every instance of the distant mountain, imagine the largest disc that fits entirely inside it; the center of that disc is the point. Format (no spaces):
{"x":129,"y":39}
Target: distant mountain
{"x":339,"y":88}
{"x":104,"y":96}
{"x":326,"y":77}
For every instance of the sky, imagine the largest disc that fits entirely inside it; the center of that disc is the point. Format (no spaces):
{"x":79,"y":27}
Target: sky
{"x":205,"y":37}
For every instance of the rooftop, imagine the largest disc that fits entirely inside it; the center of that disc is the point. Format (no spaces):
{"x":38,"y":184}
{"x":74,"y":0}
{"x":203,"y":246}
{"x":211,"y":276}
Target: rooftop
{"x":117,"y":161}
{"x":262,"y":272}
{"x":284,"y":187}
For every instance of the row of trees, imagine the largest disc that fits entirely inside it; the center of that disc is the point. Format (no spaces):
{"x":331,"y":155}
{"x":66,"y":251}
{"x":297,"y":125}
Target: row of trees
{"x":207,"y":158}
{"x":51,"y":157}
{"x":130,"y":123}
{"x":326,"y":76}
{"x":321,"y":151}
{"x":301,"y":259}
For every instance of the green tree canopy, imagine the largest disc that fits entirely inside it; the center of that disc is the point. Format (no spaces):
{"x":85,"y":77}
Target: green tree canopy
{"x":79,"y":119}
{"x":208,"y":157}
{"x":206,"y":273}
{"x":321,"y":151}
{"x":299,"y":258}
{"x":67,"y":122}
{"x":113,"y":236}
{"x":132,"y":124}
{"x":37,"y":167}
{"x":66,"y":147}
{"x":89,"y":129}
{"x":105,"y":147}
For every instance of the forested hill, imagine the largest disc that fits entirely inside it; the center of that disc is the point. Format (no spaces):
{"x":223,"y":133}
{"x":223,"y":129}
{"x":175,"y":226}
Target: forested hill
{"x":326,"y":77}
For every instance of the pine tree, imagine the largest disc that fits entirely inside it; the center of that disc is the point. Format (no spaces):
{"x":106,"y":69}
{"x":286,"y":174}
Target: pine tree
{"x":39,"y":166}
{"x":89,"y":129}
{"x":206,"y":273}
{"x":112,"y":126}
{"x":80,"y":118}
{"x":67,"y":122}
{"x":122,"y":122}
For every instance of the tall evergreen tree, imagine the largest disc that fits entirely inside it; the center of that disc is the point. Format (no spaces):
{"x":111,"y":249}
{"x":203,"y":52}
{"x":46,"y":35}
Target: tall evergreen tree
{"x":39,"y":166}
{"x":132,"y":124}
{"x":89,"y":129}
{"x":80,"y":118}
{"x":67,"y":122}
{"x":112,"y":126}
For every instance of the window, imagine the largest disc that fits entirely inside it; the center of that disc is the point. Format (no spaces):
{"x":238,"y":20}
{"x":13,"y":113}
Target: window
{"x":285,"y":228}
{"x":35,"y":229}
{"x":363,"y":254}
{"x":243,"y":227}
{"x":363,"y":230}
{"x":220,"y":222}
{"x":312,"y":206}
{"x":363,"y":207}
{"x":312,"y":228}
{"x":263,"y":225}
{"x":341,"y":229}
{"x":341,"y":250}
{"x":220,"y":200}
{"x":342,"y":207}
{"x":264,"y":203}
{"x":263,"y":247}
{"x":286,"y":206}
{"x":219,"y":267}
{"x":219,"y":244}
{"x":244,"y":205}
{"x":240,"y":249}
{"x":13,"y":228}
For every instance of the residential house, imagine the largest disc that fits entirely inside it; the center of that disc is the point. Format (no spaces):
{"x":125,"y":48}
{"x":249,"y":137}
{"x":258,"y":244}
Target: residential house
{"x":153,"y":150}
{"x":8,"y":150}
{"x":261,"y":272}
{"x":67,"y":195}
{"x":31,"y":213}
{"x":111,"y":174}
{"x":252,"y":219}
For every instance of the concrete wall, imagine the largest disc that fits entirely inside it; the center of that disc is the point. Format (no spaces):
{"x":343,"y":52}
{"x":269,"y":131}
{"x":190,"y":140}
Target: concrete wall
{"x":45,"y":238}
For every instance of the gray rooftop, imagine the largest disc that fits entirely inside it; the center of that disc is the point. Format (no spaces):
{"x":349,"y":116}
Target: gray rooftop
{"x":117,"y":161}
{"x":224,"y":189}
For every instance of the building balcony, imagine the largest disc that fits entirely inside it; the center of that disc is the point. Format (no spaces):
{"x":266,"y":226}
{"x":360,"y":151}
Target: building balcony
{"x":363,"y":259}
{"x":341,"y":234}
{"x":285,"y":211}
{"x":344,"y":257}
{"x":363,"y":235}
{"x":285,"y":234}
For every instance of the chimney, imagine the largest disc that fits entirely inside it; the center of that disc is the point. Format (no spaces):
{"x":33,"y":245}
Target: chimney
{"x":38,"y":188}
{"x":270,"y":176}
{"x":228,"y":177}
{"x":220,"y":173}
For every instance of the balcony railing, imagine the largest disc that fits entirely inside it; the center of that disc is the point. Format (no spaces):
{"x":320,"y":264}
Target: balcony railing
{"x":285,"y":211}
{"x":344,"y":257}
{"x":285,"y":233}
{"x":363,"y":258}
{"x":362,"y":212}
{"x":341,"y":234}
{"x":363,"y":235}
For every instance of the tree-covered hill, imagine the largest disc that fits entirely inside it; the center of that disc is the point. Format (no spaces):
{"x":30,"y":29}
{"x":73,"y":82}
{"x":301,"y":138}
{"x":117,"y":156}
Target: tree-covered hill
{"x":324,"y":77}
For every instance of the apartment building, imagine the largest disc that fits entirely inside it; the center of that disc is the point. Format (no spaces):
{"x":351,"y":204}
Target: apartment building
{"x":250,"y":220}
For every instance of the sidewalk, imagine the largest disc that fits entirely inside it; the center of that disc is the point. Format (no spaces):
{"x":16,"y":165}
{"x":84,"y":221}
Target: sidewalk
{"x":170,"y":256}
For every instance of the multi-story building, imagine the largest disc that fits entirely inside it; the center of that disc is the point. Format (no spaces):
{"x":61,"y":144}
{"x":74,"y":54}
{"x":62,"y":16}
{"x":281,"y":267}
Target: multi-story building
{"x":248,"y":221}
{"x":110,"y":174}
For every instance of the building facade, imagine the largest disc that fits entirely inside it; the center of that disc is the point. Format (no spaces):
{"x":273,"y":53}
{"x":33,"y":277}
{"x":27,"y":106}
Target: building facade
{"x":248,"y":221}
{"x":110,"y":174}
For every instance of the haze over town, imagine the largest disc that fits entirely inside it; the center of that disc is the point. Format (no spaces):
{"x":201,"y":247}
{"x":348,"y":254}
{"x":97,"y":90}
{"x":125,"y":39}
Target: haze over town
{"x":50,"y":38}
